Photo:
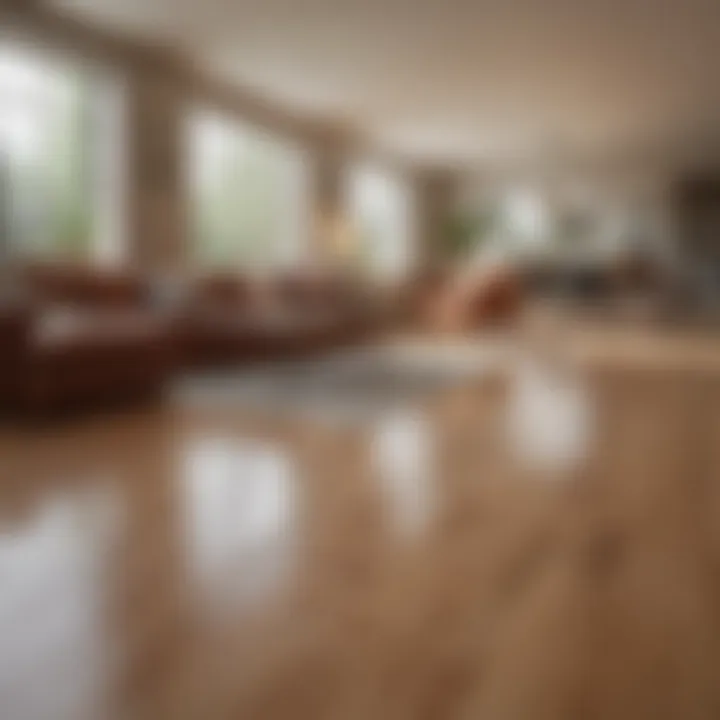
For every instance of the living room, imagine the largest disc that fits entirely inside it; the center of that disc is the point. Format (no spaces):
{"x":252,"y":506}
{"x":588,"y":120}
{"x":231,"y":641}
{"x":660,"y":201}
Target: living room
{"x":359,"y":359}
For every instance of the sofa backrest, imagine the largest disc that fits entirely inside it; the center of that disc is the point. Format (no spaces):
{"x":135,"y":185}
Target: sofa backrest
{"x":219,"y":290}
{"x":85,"y":286}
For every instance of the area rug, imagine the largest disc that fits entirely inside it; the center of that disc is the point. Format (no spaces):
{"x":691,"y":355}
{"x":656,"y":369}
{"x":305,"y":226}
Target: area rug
{"x":349,"y":385}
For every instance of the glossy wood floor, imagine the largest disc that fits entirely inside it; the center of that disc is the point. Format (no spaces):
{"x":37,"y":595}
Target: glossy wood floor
{"x":540,"y":542}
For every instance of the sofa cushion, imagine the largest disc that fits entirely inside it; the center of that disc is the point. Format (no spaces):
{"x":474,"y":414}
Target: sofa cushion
{"x":66,"y":328}
{"x":85,"y":286}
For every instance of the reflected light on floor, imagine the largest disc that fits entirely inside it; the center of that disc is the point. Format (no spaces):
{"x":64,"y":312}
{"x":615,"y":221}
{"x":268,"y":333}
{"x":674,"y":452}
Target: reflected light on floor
{"x":240,"y":512}
{"x":549,"y":415}
{"x":61,"y":555}
{"x":402,"y":455}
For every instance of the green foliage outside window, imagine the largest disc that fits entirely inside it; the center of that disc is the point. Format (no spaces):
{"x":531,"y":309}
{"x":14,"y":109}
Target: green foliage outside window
{"x":467,"y":232}
{"x":68,"y":165}
{"x":241,"y":205}
{"x":48,"y":149}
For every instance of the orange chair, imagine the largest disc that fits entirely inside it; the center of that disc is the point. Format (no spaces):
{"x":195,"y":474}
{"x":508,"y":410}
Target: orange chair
{"x":484,"y":299}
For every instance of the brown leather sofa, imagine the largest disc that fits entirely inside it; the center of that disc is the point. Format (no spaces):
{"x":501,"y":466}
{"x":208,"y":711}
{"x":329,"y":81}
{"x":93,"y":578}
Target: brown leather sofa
{"x":83,"y":338}
{"x":95,"y":358}
{"x":86,"y":337}
{"x":229,"y":320}
{"x":84,"y":287}
{"x":14,"y":328}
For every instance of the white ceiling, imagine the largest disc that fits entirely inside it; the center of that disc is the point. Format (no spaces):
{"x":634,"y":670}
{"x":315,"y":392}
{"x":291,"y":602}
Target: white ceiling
{"x":447,"y":80}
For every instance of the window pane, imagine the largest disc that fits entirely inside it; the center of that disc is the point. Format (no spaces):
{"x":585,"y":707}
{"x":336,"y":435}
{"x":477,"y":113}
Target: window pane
{"x":248,"y":193}
{"x":380,"y":210}
{"x":48,"y":143}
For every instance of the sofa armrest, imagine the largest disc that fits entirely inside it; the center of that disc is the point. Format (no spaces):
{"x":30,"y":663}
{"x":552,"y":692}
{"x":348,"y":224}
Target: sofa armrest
{"x":15,"y":324}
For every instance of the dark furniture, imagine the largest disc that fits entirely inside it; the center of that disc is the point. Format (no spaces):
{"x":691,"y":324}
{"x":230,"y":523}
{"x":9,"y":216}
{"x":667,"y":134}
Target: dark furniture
{"x":83,"y":338}
{"x":90,"y":338}
{"x":231,"y":320}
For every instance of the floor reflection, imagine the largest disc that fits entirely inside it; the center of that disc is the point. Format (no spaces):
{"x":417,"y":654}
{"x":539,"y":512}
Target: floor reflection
{"x":240,"y":509}
{"x":223,"y":565}
{"x":403,"y":459}
{"x":550,"y":415}
{"x":53,"y":608}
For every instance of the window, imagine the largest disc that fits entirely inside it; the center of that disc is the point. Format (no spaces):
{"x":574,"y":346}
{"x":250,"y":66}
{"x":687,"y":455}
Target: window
{"x":380,"y":212}
{"x":505,"y":224}
{"x":54,"y":169}
{"x":526,"y":219}
{"x":249,"y":198}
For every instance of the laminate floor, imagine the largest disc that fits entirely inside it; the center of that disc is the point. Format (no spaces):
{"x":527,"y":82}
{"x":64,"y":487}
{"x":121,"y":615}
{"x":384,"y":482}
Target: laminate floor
{"x":540,"y":540}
